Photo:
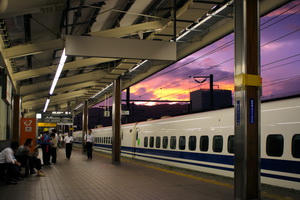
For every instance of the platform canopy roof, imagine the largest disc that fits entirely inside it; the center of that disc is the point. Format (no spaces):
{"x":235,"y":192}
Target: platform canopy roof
{"x":33,"y":35}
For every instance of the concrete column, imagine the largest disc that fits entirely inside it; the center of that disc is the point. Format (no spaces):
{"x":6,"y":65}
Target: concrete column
{"x":84,"y":122}
{"x":16,"y":117}
{"x":116,"y":118}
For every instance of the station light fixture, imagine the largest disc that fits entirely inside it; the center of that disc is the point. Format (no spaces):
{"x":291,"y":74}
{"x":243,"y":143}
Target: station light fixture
{"x":101,"y":91}
{"x":138,"y":65}
{"x":208,"y":16}
{"x":60,"y":66}
{"x":46,"y":104}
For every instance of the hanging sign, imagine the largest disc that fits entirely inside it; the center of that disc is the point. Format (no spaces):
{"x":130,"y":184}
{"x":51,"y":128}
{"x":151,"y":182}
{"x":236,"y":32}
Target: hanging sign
{"x":6,"y":88}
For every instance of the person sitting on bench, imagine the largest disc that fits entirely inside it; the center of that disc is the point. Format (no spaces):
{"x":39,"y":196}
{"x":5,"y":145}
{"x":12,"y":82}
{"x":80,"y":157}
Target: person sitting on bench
{"x":8,"y":162}
{"x":34,"y":161}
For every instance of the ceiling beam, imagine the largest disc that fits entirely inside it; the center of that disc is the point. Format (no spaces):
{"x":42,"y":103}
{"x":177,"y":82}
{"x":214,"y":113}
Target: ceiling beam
{"x":51,"y":69}
{"x":31,"y":49}
{"x":55,"y":99}
{"x":79,"y":86}
{"x":36,"y":87}
{"x":131,"y":30}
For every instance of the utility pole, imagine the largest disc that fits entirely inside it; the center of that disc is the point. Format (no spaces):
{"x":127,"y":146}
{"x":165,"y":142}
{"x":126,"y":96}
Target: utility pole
{"x":211,"y":87}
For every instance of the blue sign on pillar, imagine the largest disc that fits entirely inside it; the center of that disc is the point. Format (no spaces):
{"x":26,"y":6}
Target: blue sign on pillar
{"x":238,"y":112}
{"x":252,"y":111}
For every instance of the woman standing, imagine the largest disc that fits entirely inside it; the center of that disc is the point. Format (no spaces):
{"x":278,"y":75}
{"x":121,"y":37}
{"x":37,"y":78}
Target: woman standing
{"x":68,"y":141}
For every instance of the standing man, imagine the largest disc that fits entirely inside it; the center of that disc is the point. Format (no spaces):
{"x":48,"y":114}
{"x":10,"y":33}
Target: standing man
{"x":89,"y":142}
{"x":46,"y":147}
{"x":68,"y":141}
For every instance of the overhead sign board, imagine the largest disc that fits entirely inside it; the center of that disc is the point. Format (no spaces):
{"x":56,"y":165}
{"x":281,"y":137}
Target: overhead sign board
{"x":125,"y":112}
{"x":89,"y":46}
{"x":6,"y":88}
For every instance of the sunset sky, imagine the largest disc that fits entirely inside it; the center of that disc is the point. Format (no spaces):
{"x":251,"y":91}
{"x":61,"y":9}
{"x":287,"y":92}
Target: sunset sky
{"x":280,"y":63}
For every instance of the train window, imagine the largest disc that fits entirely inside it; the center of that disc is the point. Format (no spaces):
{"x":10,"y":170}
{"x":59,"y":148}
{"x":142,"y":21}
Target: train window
{"x":296,"y":146}
{"x":151,"y":142}
{"x":218,"y":143}
{"x":192,"y":143}
{"x":182,"y":142}
{"x":157,"y":143}
{"x":173,"y":142}
{"x":145,"y":141}
{"x":275,"y":145}
{"x":204,"y":143}
{"x":165,"y":142}
{"x":230,"y":145}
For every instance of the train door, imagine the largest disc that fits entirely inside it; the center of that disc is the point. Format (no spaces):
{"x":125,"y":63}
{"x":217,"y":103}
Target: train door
{"x":135,"y":136}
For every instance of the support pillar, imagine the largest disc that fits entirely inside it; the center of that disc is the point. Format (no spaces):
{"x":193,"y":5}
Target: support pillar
{"x":128,"y":103}
{"x":84,"y":122}
{"x":16,"y":118}
{"x":247,"y":100}
{"x":116,"y":118}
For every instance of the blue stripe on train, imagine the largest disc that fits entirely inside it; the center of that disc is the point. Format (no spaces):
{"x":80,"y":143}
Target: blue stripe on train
{"x":266,"y":164}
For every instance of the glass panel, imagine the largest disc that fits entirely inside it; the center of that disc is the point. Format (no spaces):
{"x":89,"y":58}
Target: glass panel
{"x":275,"y":145}
{"x":230,"y":146}
{"x":165,"y":142}
{"x":204,"y":143}
{"x":145,"y":141}
{"x":157,"y":143}
{"x":296,"y":146}
{"x":151,"y":142}
{"x":192,"y":143}
{"x":173,"y":142}
{"x":182,"y":142}
{"x":218,"y":143}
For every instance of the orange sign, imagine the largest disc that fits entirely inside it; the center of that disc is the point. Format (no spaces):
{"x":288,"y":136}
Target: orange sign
{"x":28,"y":130}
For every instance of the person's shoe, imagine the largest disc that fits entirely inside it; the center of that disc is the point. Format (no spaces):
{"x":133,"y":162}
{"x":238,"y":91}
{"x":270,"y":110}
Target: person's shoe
{"x":40,"y":173}
{"x":32,"y":172}
{"x":11,"y":182}
{"x":20,"y":178}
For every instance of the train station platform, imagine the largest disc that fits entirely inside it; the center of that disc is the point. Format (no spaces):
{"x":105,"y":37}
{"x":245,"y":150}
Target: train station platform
{"x":81,"y":179}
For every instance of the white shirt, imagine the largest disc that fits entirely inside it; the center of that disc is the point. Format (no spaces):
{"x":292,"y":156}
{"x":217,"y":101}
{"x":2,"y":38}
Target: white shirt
{"x":7,"y":156}
{"x":89,"y":138}
{"x":68,"y":139}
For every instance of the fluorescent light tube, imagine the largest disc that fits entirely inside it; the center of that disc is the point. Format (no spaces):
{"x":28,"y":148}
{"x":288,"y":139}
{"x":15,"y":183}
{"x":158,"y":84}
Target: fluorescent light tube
{"x":58,"y":71}
{"x":46,"y":105}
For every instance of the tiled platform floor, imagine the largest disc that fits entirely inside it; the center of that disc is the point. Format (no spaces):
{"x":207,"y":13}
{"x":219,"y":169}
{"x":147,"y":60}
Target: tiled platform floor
{"x":80,"y":178}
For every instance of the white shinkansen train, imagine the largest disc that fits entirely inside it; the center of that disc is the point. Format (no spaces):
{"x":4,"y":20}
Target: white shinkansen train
{"x":205,"y":142}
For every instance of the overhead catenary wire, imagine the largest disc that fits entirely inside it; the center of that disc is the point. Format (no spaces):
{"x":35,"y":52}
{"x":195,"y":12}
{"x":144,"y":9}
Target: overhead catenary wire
{"x":229,"y":43}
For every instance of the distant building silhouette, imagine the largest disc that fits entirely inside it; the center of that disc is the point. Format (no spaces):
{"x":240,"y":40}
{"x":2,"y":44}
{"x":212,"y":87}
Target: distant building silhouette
{"x":201,"y":100}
